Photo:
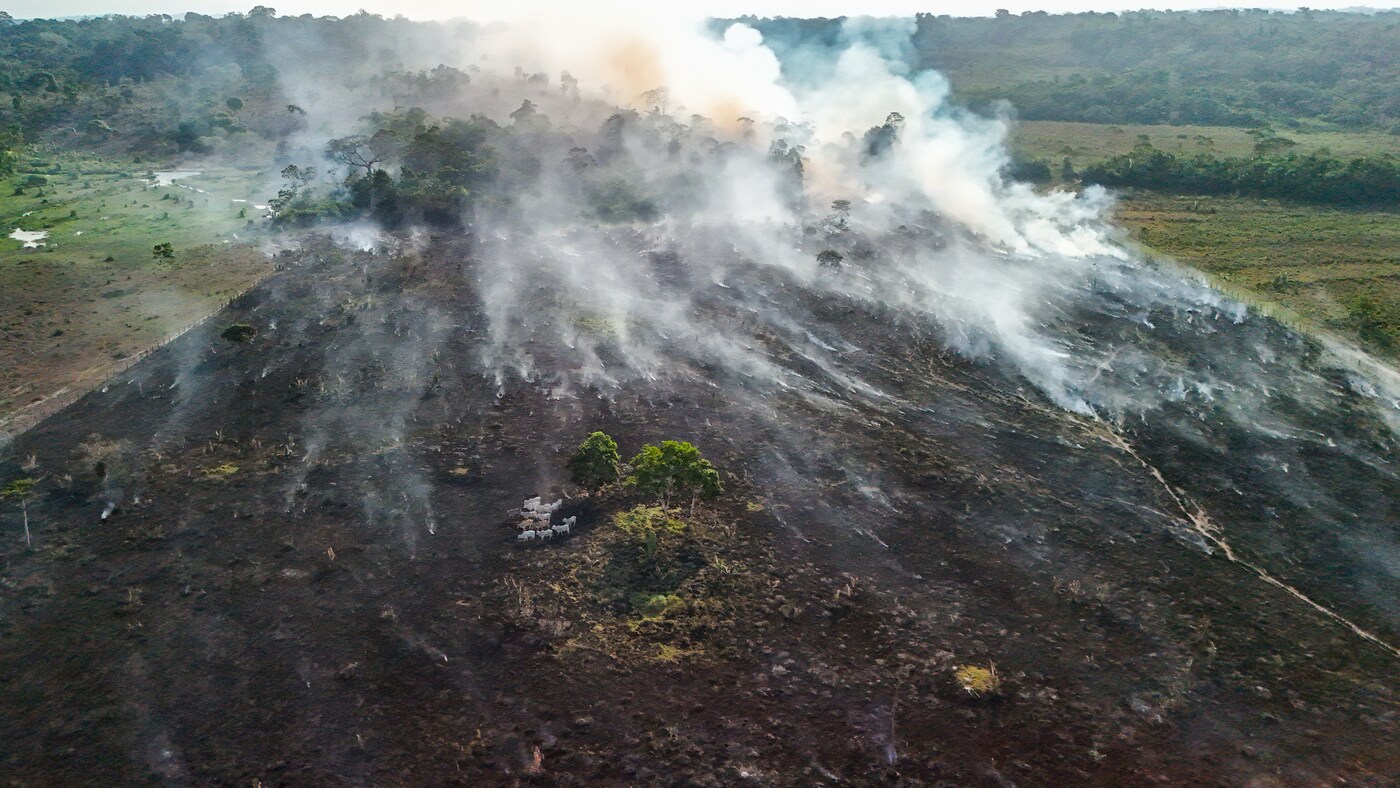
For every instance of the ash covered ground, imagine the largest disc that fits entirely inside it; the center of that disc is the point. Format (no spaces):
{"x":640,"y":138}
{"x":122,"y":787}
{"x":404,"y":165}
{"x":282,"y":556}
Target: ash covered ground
{"x":963,"y":432}
{"x":308,"y":572}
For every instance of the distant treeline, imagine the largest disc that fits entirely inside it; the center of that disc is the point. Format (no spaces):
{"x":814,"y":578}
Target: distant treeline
{"x":1312,"y":178}
{"x":165,"y":84}
{"x":166,"y":80}
{"x":1229,"y":67}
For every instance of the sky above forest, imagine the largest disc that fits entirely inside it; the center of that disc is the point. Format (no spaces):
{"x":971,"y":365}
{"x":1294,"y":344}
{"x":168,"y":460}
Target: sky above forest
{"x":515,"y":9}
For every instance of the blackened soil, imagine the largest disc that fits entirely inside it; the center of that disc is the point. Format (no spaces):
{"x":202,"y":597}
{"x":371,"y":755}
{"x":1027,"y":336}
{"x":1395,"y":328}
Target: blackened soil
{"x":303,"y":580}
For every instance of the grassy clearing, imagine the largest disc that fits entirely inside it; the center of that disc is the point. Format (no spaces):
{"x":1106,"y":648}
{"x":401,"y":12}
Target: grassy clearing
{"x":1333,"y":268}
{"x":73,"y":309}
{"x":1084,"y":143}
{"x":1339,"y":269}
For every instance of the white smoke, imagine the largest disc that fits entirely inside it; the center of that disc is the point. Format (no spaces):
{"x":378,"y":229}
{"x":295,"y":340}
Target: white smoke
{"x":1001,"y":243}
{"x":710,"y":279}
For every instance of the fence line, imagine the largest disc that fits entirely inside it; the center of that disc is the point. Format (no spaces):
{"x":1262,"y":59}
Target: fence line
{"x":113,"y":369}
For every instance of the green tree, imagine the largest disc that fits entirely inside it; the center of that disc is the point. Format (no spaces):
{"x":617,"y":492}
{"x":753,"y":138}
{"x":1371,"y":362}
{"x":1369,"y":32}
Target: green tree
{"x":23,"y":491}
{"x":595,"y":462}
{"x":829,"y":258}
{"x":234,"y":104}
{"x":358,"y":150}
{"x":674,"y":468}
{"x":163,"y":251}
{"x":296,"y":188}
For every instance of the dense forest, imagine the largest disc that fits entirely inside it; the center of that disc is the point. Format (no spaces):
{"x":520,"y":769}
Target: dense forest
{"x":1226,"y":67}
{"x":161,"y":85}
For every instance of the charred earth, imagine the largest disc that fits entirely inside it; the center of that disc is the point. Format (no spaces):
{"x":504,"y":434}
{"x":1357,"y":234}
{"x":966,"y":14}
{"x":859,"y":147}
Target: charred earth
{"x":290,"y":560}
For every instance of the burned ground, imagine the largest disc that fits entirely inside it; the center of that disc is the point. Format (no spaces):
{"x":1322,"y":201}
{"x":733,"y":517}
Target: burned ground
{"x":310,"y":575}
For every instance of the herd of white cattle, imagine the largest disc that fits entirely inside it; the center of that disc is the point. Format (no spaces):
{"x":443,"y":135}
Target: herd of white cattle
{"x":534,"y":521}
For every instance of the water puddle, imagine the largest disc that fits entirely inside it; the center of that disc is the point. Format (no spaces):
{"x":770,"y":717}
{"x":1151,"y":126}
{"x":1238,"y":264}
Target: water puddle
{"x":32,"y":239}
{"x":168,"y":177}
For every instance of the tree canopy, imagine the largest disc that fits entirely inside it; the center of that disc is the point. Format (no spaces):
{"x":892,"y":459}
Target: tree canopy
{"x":595,"y":462}
{"x":1221,"y":67}
{"x":674,"y":468}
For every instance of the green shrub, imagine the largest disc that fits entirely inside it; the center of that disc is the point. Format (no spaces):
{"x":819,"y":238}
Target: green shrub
{"x":239,"y":333}
{"x":595,"y":462}
{"x":654,"y":555}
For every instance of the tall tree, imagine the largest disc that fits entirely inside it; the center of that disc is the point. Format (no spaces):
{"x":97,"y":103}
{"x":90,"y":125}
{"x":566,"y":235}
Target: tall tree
{"x":358,"y":150}
{"x":674,"y":468}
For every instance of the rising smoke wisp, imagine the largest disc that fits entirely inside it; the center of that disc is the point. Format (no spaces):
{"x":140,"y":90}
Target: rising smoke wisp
{"x":676,"y":207}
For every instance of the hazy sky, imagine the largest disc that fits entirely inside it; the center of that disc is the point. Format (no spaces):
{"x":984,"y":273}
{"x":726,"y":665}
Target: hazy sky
{"x":497,"y":9}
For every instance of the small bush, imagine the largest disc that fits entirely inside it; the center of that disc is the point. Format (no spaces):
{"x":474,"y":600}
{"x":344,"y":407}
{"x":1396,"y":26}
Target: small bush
{"x":239,"y":333}
{"x":220,"y":471}
{"x":641,"y":523}
{"x":978,"y":681}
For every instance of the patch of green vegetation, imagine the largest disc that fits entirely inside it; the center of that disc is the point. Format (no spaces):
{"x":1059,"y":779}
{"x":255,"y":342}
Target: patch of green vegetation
{"x":598,"y":325}
{"x":95,"y":292}
{"x":595,"y":462}
{"x":239,"y":333}
{"x":1331,"y":267}
{"x":1086,"y":143}
{"x":646,"y":587}
{"x":653,"y":557}
{"x":978,"y":680}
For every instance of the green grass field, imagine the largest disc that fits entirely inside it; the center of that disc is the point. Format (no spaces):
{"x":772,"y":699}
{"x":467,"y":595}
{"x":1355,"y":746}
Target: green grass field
{"x":1338,"y":269}
{"x":93,"y":295}
{"x":1084,"y":143}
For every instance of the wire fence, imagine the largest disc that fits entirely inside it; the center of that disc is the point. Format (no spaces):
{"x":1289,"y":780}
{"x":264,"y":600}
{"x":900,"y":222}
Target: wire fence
{"x":33,"y":414}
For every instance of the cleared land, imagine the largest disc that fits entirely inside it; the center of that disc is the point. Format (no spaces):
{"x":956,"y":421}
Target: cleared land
{"x":1330,"y":267}
{"x":76,"y":309}
{"x":1084,"y":143}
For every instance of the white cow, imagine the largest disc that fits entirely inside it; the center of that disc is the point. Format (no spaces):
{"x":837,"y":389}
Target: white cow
{"x":545,"y":535}
{"x":561,"y":528}
{"x":526,"y":536}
